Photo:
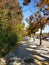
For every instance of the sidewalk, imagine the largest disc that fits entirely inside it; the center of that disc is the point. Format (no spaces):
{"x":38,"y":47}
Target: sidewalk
{"x":41,"y":53}
{"x":30,"y":54}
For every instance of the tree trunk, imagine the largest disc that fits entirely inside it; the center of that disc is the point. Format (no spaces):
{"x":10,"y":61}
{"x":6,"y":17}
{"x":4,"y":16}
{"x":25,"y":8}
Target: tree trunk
{"x":34,"y":38}
{"x":40,"y":35}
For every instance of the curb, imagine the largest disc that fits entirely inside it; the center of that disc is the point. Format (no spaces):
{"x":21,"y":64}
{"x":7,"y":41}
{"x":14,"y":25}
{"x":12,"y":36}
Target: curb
{"x":19,"y":43}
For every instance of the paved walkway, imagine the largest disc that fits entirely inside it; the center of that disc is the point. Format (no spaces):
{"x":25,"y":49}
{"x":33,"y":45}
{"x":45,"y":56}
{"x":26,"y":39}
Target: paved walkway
{"x":29,"y":54}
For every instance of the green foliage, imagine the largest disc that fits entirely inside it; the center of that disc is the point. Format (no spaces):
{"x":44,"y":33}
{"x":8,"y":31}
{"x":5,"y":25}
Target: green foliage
{"x":10,"y":25}
{"x":7,"y":42}
{"x":20,"y":37}
{"x":19,"y":31}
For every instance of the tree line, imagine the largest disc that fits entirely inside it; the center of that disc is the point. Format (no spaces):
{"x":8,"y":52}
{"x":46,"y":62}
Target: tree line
{"x":11,"y":26}
{"x":37,"y":21}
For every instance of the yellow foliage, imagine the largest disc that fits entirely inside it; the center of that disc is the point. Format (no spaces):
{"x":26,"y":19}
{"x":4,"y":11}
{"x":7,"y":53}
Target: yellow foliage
{"x":43,"y":2}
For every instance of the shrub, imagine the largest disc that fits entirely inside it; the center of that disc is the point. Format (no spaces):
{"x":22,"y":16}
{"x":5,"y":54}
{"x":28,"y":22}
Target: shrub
{"x":7,"y":41}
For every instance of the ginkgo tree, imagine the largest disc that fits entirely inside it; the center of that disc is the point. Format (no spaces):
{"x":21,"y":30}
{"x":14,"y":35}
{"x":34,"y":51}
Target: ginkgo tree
{"x":42,"y":3}
{"x":33,"y":29}
{"x":37,"y":22}
{"x":41,"y":20}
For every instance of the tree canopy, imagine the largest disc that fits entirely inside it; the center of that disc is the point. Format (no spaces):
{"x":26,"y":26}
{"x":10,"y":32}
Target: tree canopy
{"x":10,"y":25}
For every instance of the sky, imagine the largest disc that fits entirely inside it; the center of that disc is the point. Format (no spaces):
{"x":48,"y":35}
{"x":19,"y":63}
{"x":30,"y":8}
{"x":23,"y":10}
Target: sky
{"x":30,"y":10}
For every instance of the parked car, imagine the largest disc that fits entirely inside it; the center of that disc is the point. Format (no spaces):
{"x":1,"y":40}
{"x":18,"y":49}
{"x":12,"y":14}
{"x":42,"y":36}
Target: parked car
{"x":44,"y":38}
{"x":47,"y":39}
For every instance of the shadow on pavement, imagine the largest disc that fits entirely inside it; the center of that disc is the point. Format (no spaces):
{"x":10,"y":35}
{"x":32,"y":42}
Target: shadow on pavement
{"x":22,"y":56}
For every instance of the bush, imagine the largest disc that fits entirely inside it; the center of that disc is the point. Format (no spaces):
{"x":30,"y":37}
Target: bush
{"x":7,"y":41}
{"x":20,"y":37}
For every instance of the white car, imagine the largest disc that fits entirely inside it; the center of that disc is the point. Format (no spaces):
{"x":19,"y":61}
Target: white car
{"x":47,"y":38}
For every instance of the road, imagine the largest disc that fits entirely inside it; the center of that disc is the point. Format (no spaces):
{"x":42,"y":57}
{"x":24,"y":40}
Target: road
{"x":29,"y":54}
